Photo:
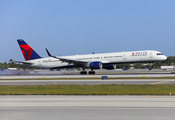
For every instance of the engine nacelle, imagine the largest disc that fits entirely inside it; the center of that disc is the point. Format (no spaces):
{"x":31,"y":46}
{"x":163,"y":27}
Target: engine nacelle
{"x":110,"y":66}
{"x":95,"y":65}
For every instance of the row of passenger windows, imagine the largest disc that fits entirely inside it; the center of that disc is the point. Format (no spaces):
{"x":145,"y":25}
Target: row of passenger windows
{"x":99,"y":57}
{"x":51,"y":60}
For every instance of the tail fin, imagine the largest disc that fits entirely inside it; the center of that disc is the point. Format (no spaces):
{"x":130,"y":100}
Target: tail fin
{"x":27,"y":51}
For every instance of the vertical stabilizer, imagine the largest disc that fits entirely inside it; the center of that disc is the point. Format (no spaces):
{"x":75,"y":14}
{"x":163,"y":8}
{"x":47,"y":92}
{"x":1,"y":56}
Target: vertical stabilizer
{"x":27,"y":51}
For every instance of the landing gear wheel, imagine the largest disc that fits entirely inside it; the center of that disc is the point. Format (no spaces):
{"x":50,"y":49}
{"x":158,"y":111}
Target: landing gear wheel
{"x":83,"y":72}
{"x":91,"y":72}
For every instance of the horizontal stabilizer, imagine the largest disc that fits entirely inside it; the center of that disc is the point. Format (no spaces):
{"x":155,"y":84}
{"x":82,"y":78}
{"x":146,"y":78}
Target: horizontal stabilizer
{"x":27,"y":63}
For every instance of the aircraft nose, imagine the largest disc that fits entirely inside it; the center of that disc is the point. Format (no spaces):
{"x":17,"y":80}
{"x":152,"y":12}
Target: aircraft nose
{"x":164,"y":57}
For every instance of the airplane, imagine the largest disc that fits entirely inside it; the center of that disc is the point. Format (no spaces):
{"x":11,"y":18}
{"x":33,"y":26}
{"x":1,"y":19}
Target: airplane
{"x":92,"y":61}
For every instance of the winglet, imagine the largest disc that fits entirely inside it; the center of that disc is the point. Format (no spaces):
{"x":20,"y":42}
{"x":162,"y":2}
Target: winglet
{"x":50,"y":54}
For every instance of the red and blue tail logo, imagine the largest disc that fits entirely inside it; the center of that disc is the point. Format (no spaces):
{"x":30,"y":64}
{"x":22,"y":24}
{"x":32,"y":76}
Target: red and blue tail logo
{"x":27,"y":51}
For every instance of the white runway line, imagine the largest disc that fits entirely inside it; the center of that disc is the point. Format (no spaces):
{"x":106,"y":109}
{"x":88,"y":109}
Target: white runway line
{"x":88,"y":101}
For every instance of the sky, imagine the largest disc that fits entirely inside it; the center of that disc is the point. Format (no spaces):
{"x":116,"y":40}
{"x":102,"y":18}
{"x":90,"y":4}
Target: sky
{"x":71,"y":27}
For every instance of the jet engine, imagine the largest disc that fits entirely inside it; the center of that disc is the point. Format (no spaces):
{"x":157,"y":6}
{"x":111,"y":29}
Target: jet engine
{"x":95,"y":65}
{"x":109,"y":66}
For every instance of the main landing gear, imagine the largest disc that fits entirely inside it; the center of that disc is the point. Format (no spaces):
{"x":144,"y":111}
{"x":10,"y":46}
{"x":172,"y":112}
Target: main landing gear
{"x":91,"y":72}
{"x":85,"y":72}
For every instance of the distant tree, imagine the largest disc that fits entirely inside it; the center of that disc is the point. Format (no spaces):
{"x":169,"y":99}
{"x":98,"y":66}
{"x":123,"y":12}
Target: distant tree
{"x":11,"y":61}
{"x":122,"y":66}
{"x":157,"y":65}
{"x":138,"y":66}
{"x":169,"y":61}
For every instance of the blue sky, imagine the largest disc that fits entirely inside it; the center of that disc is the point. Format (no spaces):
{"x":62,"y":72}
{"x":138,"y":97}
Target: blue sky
{"x":70,"y":27}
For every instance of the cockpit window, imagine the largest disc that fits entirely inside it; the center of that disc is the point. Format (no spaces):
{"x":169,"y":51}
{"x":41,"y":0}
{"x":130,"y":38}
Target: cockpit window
{"x":159,"y":54}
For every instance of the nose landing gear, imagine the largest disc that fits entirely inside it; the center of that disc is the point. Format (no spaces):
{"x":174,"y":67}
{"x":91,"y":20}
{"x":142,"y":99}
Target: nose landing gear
{"x":151,"y":66}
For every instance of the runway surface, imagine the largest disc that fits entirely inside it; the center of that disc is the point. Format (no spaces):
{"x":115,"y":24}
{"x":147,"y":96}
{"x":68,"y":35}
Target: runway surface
{"x":88,"y":82}
{"x":84,"y":76}
{"x":20,"y":79}
{"x":87,"y":107}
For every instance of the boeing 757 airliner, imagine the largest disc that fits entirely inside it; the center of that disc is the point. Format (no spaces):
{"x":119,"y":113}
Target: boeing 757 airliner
{"x":92,"y":61}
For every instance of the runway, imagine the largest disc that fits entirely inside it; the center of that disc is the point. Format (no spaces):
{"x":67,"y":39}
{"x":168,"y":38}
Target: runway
{"x":86,"y":76}
{"x":88,"y":82}
{"x":87,"y":107}
{"x":20,"y":79}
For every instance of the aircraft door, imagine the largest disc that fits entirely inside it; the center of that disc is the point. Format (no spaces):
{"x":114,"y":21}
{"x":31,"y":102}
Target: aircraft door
{"x":151,"y":55}
{"x":39,"y":63}
{"x":124,"y":57}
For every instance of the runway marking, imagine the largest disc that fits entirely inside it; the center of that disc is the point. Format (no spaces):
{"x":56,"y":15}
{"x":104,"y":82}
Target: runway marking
{"x":94,"y":77}
{"x":159,"y":82}
{"x":156,"y":96}
{"x":44,"y":77}
{"x":101,"y":107}
{"x":143,"y":76}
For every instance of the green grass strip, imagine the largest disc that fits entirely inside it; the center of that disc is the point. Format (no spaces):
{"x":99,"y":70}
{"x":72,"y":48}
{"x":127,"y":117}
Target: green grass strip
{"x":110,"y":89}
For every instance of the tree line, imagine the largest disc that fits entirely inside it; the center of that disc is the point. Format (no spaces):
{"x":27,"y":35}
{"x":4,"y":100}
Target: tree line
{"x":12,"y":64}
{"x":170,"y":61}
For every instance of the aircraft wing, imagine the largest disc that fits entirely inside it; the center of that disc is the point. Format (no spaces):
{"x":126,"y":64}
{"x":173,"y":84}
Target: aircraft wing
{"x":75,"y":62}
{"x":27,"y":63}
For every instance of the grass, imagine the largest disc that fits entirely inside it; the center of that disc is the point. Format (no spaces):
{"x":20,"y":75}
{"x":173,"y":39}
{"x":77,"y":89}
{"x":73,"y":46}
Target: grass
{"x":110,"y":89}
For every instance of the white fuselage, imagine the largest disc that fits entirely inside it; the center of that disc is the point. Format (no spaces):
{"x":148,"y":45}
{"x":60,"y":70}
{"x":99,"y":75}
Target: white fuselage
{"x":105,"y":58}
